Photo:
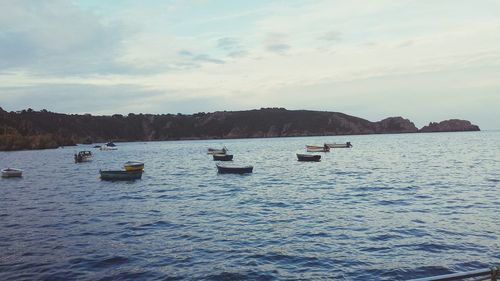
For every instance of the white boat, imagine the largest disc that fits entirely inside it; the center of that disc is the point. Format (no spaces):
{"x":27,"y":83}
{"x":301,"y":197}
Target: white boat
{"x":339,"y":145}
{"x":317,"y":148}
{"x":11,"y":173}
{"x":105,"y":147}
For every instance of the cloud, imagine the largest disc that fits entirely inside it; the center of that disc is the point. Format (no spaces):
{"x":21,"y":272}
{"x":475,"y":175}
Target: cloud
{"x":238,"y":54}
{"x":16,"y":49}
{"x":278,"y":48}
{"x":232,"y":47}
{"x":247,"y":54}
{"x":57,"y":37}
{"x":228,"y":43}
{"x":331,"y":36}
{"x":207,"y":58}
{"x":276,"y":43}
{"x":196,"y":58}
{"x":96,"y":99}
{"x":76,"y":98}
{"x":185,"y":53}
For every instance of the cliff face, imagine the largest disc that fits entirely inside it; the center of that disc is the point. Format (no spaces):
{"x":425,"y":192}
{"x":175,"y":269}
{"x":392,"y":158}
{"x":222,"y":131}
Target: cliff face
{"x":397,"y":125}
{"x":452,"y":125}
{"x":30,"y":129}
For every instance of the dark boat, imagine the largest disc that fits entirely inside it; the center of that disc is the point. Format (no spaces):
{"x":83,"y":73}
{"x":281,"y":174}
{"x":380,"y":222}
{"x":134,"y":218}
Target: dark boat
{"x":223,"y":157}
{"x":234,"y":169}
{"x":308,"y":157}
{"x":110,"y":144}
{"x":83,"y":156}
{"x":120,"y":175}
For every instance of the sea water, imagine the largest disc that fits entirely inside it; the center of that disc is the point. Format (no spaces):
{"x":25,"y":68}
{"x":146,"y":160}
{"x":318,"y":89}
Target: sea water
{"x":393,"y":207}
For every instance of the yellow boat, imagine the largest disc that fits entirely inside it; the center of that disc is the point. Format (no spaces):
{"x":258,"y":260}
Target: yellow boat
{"x":133,"y":166}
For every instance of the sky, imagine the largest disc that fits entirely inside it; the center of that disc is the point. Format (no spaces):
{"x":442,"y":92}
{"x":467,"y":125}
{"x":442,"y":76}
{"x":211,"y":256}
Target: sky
{"x":425,"y":60}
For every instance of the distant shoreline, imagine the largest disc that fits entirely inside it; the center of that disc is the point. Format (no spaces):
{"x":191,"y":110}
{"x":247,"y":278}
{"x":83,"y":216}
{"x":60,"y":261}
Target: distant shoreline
{"x":249,"y":138}
{"x":28,"y":129}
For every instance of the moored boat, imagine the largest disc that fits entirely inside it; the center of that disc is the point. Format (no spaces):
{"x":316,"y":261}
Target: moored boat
{"x":339,"y":145}
{"x":120,"y":175}
{"x":217,"y":151}
{"x":133,"y":166}
{"x":110,"y":144}
{"x":308,"y":157}
{"x":105,"y":147}
{"x":317,"y":148}
{"x":12,"y":173}
{"x":223,"y":157}
{"x":83,"y":156}
{"x":225,"y":169}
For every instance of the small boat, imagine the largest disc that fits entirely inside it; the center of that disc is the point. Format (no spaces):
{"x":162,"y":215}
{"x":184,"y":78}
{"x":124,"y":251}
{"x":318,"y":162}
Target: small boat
{"x":223,"y":157}
{"x":97,"y":146}
{"x":12,"y":173}
{"x":133,"y":166}
{"x":105,"y":147}
{"x":217,"y":151}
{"x":110,"y":144}
{"x":120,"y":175}
{"x":339,"y":145}
{"x":308,"y":157}
{"x":83,"y":156}
{"x":224,"y":169}
{"x":317,"y":148}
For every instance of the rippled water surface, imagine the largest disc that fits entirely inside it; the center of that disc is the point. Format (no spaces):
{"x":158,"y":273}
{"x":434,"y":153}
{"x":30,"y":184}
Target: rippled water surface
{"x":393,"y":207}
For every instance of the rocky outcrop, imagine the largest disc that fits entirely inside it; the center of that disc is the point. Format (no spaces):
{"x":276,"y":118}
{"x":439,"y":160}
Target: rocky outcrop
{"x":30,"y":129}
{"x":452,"y":125}
{"x":397,"y":125}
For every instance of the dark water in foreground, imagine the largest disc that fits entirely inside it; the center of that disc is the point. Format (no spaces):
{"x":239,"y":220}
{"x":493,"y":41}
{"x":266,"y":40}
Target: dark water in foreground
{"x":394,"y":207}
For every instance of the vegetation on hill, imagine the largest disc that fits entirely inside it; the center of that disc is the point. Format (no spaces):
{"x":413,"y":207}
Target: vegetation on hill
{"x":29,"y":129}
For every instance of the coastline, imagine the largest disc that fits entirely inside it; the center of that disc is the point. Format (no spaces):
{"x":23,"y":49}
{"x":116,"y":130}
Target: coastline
{"x":236,"y":138}
{"x":28,"y":129}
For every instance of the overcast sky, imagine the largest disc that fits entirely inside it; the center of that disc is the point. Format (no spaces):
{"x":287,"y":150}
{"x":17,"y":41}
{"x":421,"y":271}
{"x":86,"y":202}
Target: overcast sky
{"x":426,"y":60}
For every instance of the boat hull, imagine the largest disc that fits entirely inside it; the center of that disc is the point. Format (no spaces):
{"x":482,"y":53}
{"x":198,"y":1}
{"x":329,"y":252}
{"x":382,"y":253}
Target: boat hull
{"x":83,"y":156}
{"x":339,"y":145}
{"x":315,"y":148}
{"x":12,"y":173}
{"x":223,"y":157}
{"x":308,"y":158}
{"x":134,"y":166}
{"x":104,"y":147}
{"x":220,"y":151}
{"x":234,"y":170}
{"x":120,"y":175}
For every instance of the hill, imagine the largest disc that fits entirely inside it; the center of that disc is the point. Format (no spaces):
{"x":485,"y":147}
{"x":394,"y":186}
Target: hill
{"x":29,"y":129}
